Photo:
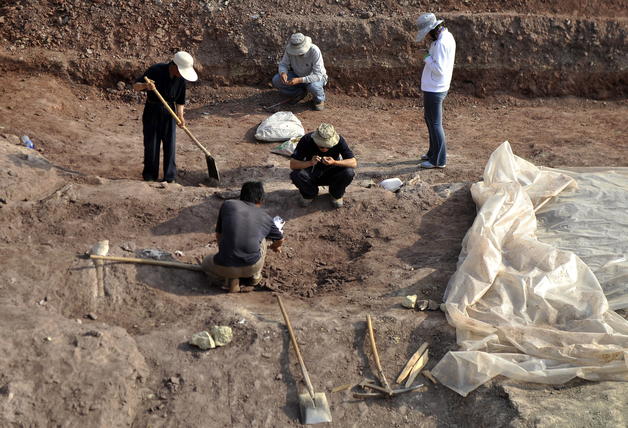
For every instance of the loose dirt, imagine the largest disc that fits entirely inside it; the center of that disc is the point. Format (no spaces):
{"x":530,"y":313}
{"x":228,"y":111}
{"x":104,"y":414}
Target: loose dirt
{"x":73,"y":358}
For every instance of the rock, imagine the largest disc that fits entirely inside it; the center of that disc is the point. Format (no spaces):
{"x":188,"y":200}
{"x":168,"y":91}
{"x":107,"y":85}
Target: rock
{"x":409,"y":301}
{"x":222,"y":334}
{"x":91,"y":316}
{"x":203,"y":340}
{"x":421,"y":305}
{"x":121,"y":86}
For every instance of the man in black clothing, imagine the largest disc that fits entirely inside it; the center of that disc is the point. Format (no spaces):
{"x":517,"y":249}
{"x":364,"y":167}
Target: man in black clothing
{"x":169,"y":79}
{"x":242,"y":231}
{"x":322,"y":158}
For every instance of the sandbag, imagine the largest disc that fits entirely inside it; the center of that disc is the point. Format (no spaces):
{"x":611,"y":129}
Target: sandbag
{"x":281,"y":126}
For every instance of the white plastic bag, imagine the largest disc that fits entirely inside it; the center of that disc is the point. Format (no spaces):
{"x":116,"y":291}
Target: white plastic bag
{"x":287,"y":147}
{"x":281,"y":126}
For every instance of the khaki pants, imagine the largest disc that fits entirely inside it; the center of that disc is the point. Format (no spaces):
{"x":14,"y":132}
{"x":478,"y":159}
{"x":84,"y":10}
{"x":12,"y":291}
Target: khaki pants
{"x":215,"y":271}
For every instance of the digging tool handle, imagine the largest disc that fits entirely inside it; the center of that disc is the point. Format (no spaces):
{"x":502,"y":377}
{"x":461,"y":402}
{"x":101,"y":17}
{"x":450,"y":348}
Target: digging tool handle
{"x":293,"y":339}
{"x":178,"y":265}
{"x":369,"y":324}
{"x":174,"y":115}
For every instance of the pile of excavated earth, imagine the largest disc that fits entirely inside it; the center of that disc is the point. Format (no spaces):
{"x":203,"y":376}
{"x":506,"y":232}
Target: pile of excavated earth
{"x":109,"y":345}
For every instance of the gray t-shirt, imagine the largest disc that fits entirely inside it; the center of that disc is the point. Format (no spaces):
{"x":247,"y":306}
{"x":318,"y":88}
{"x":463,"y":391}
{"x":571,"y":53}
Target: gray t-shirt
{"x":242,"y":227}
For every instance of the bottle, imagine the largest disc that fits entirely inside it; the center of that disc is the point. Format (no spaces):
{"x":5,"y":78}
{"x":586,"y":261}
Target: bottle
{"x":27,"y":142}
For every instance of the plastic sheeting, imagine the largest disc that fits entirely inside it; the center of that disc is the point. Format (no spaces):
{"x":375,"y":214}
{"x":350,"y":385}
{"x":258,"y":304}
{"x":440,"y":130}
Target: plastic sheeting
{"x":524,"y":308}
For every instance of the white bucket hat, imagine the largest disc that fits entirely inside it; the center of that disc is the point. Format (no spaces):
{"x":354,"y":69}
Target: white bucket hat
{"x":298,"y":44}
{"x":184,"y":62}
{"x":426,"y":23}
{"x":325,"y":136}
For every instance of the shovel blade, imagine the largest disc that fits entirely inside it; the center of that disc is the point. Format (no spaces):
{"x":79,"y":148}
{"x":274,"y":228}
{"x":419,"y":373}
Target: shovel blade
{"x":314,"y":411}
{"x":212,"y":169}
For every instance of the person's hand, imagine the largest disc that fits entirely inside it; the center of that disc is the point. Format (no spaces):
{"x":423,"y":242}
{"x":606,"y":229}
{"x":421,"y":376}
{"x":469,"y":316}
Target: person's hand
{"x":284,"y":78}
{"x":276,"y":246}
{"x":315,"y":160}
{"x":328,"y":160}
{"x":295,"y":81}
{"x":150,"y":85}
{"x":181,"y":123}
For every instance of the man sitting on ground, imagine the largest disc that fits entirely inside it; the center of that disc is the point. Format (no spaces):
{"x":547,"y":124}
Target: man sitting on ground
{"x":242,"y":231}
{"x":302,"y":70}
{"x":322,"y":158}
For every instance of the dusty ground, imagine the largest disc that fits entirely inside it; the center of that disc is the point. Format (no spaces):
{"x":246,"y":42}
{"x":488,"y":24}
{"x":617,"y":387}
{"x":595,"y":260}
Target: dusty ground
{"x":131,"y":366}
{"x":72,"y":357}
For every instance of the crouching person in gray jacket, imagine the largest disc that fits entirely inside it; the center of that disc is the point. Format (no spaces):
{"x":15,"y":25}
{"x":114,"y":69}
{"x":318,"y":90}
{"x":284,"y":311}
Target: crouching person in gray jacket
{"x":302,"y":70}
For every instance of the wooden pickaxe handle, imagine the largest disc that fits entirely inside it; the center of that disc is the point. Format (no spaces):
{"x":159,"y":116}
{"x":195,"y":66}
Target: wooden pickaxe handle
{"x":378,"y":364}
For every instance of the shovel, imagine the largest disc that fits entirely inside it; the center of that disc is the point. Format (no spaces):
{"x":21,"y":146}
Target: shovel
{"x":212,"y":170}
{"x":312,"y":405}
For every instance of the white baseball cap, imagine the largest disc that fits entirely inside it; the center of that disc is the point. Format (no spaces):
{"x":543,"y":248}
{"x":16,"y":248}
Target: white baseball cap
{"x":184,"y":62}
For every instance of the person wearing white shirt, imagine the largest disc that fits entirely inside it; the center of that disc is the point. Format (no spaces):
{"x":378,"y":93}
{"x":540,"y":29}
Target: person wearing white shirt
{"x":301,"y":70}
{"x":435,"y":82}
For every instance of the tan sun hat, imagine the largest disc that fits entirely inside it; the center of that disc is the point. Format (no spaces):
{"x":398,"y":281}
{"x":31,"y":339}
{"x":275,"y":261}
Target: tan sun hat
{"x":184,"y":62}
{"x":325,"y":136}
{"x":426,"y":23}
{"x":298,"y":44}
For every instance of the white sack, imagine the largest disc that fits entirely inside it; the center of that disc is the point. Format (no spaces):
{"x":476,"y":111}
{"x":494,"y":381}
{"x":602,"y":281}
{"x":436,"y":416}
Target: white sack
{"x":287,"y":147}
{"x":524,"y":308}
{"x":281,"y":126}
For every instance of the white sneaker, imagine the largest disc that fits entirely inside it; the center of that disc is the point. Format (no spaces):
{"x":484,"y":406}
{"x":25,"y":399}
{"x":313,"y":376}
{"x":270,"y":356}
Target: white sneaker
{"x":428,"y":165}
{"x":337,"y":203}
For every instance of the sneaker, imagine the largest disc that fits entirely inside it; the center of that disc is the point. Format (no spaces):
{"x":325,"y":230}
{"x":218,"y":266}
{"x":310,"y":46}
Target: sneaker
{"x":337,"y":203}
{"x":424,"y":158}
{"x":319,"y":106}
{"x":256,"y":280}
{"x":296,"y":99}
{"x":304,"y":202}
{"x":428,"y":165}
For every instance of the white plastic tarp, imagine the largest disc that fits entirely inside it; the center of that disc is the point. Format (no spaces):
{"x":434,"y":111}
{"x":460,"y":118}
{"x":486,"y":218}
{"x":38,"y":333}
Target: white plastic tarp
{"x":524,"y":308}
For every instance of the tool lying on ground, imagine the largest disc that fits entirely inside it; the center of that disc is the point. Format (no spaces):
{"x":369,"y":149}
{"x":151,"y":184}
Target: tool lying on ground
{"x":312,"y":405}
{"x":212,"y":170}
{"x":178,"y":265}
{"x":385,"y":390}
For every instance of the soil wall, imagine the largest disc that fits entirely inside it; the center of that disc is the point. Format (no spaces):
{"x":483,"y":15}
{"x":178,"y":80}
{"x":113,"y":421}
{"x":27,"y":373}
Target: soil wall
{"x":527,"y":49}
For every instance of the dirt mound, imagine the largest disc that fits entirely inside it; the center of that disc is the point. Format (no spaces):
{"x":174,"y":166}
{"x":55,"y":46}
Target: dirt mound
{"x":53,"y":366}
{"x":567,"y":49}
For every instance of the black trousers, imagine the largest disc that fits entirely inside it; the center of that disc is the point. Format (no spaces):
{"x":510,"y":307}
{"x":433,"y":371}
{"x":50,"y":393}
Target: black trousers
{"x":337,"y":178}
{"x":159,"y":127}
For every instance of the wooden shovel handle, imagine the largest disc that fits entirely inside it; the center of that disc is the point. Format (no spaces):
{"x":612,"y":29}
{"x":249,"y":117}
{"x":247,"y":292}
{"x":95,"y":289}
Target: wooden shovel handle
{"x":380,"y":371}
{"x":295,"y":345}
{"x":178,"y":265}
{"x":174,"y":115}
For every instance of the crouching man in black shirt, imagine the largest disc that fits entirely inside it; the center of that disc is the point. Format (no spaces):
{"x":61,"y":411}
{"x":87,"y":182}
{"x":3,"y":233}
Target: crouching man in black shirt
{"x":322,"y":158}
{"x":242,"y":231}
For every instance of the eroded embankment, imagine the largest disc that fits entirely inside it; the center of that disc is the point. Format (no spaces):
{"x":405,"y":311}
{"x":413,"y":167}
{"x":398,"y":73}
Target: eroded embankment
{"x":365,"y":53}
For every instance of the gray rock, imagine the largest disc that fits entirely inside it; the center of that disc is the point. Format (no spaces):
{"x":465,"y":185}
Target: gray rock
{"x":203,"y":340}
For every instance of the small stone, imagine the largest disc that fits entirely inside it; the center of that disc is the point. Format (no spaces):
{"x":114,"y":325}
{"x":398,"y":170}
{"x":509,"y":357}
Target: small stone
{"x":279,"y":376}
{"x":121,"y":86}
{"x":92,"y":316}
{"x":48,"y":339}
{"x":265,"y":355}
{"x":222,"y":334}
{"x":203,"y":340}
{"x":422,"y":305}
{"x":409,"y":301}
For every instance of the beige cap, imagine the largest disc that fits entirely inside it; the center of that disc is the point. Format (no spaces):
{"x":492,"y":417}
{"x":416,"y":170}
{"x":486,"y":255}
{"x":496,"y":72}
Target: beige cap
{"x":298,"y":44}
{"x":326,"y":136}
{"x":184,"y":62}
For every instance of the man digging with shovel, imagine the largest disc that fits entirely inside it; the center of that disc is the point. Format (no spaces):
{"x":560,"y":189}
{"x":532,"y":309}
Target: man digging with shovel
{"x":158,"y":125}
